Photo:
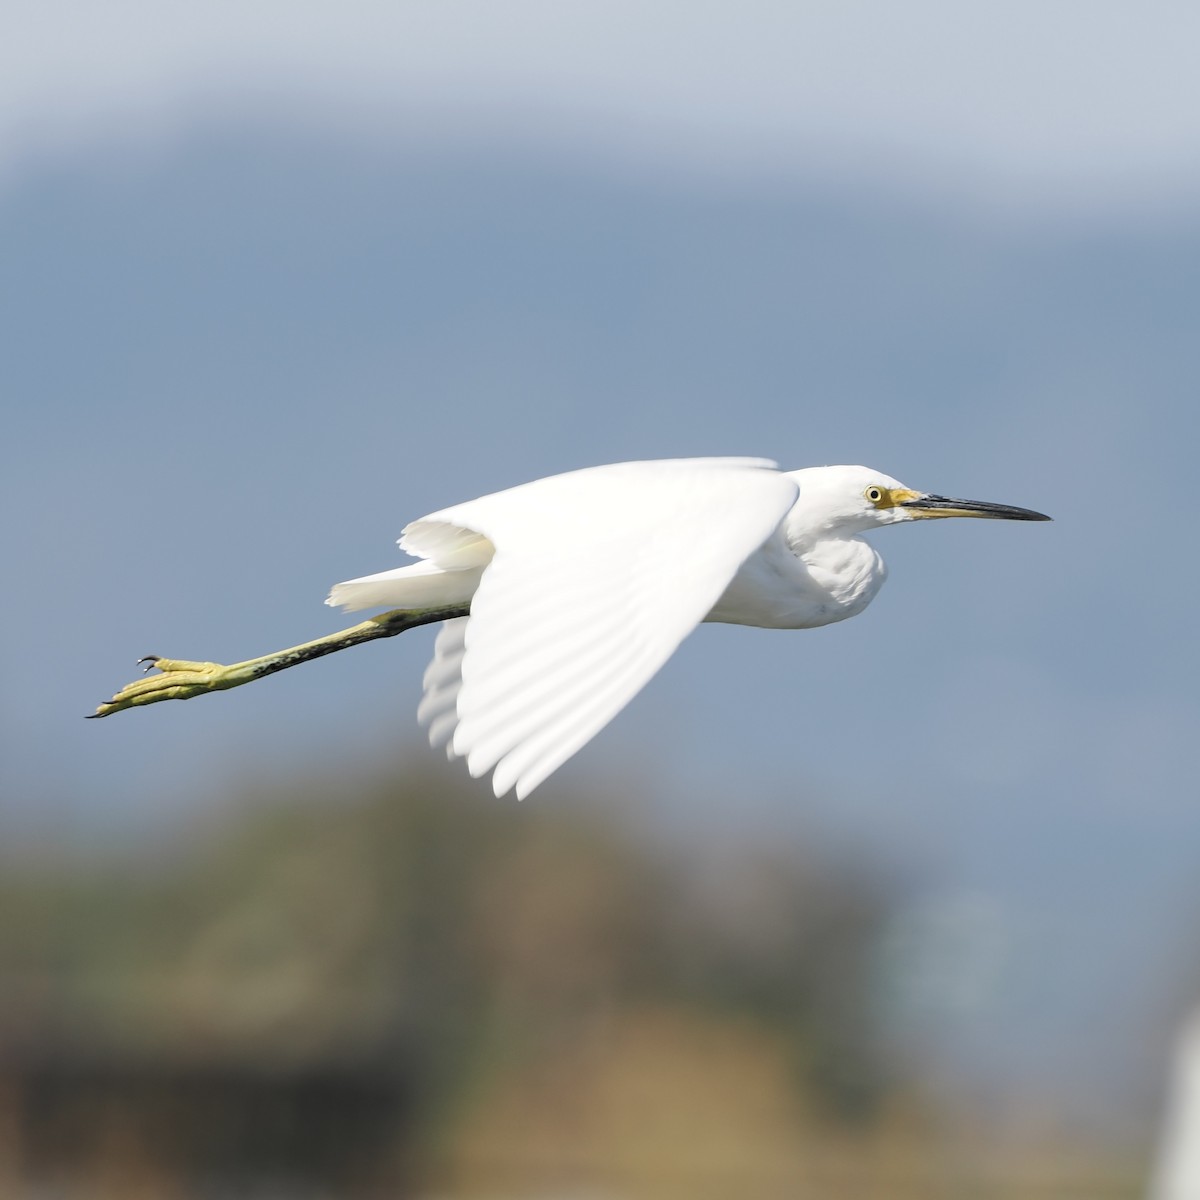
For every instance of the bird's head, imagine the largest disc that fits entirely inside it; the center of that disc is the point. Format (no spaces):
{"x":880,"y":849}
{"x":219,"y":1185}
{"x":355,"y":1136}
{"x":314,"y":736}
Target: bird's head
{"x":847,"y":500}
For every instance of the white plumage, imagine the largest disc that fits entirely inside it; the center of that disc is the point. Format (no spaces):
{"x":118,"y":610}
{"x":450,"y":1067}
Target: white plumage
{"x":582,"y":585}
{"x":1176,"y":1172}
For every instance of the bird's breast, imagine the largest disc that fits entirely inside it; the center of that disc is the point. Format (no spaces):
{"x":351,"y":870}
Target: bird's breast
{"x":776,"y":588}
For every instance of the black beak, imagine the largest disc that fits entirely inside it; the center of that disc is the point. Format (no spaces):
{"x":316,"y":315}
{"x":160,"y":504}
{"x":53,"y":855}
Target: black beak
{"x":941,"y":506}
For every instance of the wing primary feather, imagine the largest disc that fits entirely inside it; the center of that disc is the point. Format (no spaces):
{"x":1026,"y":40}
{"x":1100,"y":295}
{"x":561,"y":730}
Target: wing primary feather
{"x":489,"y":684}
{"x":530,"y":763}
{"x":515,"y":767}
{"x":487,"y":739}
{"x":440,"y":729}
{"x":442,"y":681}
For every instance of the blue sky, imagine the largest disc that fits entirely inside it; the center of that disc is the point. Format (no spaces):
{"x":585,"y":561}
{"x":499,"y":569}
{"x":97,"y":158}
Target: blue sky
{"x":280,"y":279}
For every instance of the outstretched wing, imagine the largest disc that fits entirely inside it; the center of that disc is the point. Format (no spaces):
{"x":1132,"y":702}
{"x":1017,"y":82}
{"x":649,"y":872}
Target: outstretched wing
{"x":596,"y":578}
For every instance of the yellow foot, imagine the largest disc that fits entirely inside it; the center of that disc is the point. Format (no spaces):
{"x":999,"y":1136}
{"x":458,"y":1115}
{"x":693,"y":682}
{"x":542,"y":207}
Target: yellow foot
{"x":177,"y":680}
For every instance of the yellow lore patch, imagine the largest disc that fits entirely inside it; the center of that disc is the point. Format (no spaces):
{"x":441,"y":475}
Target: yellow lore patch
{"x":883,"y":497}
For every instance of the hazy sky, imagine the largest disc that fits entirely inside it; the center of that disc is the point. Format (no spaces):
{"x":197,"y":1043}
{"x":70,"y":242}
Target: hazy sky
{"x":1024,"y":100}
{"x":280,"y":278}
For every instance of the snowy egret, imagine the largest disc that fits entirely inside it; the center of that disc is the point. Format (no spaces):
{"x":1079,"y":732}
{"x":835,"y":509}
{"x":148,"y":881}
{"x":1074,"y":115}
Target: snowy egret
{"x":562,"y":597}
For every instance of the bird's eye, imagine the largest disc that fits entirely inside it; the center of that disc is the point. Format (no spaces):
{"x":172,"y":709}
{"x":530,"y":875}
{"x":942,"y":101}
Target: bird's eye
{"x":874,"y":494}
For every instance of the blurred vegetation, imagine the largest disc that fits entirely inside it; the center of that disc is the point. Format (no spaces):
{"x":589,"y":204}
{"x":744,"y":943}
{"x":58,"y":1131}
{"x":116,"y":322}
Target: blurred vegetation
{"x":393,"y":986}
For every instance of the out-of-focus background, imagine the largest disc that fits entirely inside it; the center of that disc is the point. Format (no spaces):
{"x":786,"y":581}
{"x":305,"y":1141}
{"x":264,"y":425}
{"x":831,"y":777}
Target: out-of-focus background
{"x":904,"y":907}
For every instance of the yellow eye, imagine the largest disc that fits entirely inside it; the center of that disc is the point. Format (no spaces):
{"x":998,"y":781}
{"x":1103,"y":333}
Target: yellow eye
{"x":875,"y":494}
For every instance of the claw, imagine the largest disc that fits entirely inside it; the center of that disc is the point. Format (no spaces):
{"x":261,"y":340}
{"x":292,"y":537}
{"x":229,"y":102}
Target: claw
{"x":176,"y":679}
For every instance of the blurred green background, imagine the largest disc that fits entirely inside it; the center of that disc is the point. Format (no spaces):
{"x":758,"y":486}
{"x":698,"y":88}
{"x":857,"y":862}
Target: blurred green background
{"x":378,"y":985}
{"x":907,"y":906}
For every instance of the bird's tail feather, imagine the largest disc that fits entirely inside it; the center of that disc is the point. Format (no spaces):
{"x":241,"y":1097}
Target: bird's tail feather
{"x":421,"y":585}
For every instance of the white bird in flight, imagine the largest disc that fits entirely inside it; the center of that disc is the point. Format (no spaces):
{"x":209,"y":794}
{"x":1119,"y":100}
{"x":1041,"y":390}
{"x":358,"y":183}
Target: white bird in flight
{"x":561,"y":598}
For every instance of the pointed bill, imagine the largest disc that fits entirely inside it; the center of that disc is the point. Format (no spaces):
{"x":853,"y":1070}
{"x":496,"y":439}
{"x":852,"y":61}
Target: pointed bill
{"x":920,"y":505}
